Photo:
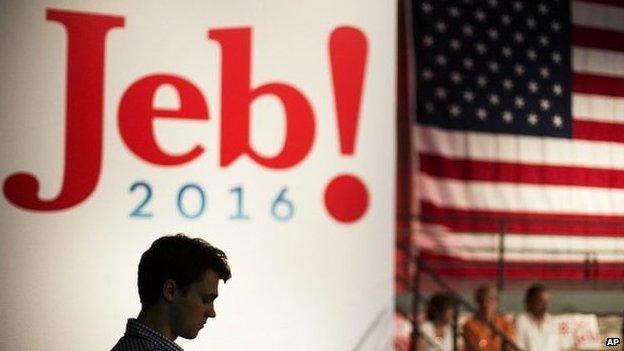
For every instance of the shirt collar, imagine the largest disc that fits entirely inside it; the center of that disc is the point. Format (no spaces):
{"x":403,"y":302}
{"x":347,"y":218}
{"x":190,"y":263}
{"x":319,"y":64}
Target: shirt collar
{"x":134,"y":328}
{"x":546,"y":319}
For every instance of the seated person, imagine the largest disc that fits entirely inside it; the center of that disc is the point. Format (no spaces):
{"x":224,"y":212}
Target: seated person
{"x":478,"y":336}
{"x":436,"y":332}
{"x":536,"y":329}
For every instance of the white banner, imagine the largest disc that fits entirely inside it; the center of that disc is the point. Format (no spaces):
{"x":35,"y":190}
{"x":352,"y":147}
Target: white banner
{"x":579,"y":331}
{"x":265,"y":127}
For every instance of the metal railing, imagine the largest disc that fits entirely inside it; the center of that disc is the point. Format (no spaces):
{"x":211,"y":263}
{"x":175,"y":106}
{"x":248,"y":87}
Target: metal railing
{"x":587,"y":258}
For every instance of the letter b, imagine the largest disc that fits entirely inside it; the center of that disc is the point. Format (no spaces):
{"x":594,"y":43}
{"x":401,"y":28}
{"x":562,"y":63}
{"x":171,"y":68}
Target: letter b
{"x":237,"y":96}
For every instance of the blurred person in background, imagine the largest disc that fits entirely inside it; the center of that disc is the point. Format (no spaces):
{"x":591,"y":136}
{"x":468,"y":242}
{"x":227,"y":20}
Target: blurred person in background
{"x":437,"y":331}
{"x":478,"y":336}
{"x":536,"y":329}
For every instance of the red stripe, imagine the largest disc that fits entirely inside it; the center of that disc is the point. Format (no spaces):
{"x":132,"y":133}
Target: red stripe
{"x":598,"y":131}
{"x":453,"y":266}
{"x":597,"y":38}
{"x":616,"y":3}
{"x":466,"y":169}
{"x":598,"y":85}
{"x":522,"y":222}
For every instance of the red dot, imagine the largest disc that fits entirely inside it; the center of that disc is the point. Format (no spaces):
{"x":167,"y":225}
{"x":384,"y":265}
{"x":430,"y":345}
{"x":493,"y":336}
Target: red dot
{"x":346,"y":198}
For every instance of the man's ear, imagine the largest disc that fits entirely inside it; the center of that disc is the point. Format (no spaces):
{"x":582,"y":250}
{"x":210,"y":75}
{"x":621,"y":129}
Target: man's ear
{"x":169,"y":290}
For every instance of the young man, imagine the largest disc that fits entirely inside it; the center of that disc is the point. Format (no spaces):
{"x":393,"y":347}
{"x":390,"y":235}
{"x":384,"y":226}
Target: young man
{"x":537,"y":331}
{"x":178,"y":283}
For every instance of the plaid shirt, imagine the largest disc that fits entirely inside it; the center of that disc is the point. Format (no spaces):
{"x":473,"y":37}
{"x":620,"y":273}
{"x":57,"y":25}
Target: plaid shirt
{"x":139,"y":337}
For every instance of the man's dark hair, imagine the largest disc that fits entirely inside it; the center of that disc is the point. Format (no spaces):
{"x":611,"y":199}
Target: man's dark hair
{"x":533,"y":292}
{"x":437,"y":305}
{"x":181,"y":259}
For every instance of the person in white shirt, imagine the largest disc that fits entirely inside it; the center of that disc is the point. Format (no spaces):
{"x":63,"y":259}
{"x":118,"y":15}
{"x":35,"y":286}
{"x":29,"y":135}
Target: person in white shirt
{"x":436,"y":334}
{"x":536,"y":329}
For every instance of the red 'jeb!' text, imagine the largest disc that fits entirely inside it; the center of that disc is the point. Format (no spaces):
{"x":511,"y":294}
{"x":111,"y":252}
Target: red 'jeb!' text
{"x":86,"y":44}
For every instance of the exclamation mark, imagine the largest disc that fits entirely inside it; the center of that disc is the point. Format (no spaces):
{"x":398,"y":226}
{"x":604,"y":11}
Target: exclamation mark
{"x":346,"y":196}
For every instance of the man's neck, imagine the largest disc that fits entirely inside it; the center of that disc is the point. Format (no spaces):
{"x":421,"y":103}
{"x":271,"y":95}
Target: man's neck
{"x":439,"y":324}
{"x":487,"y":317}
{"x":154,"y":318}
{"x":537,"y":318}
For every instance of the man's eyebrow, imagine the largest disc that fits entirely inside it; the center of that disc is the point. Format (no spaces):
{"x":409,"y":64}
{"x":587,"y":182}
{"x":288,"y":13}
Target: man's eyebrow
{"x":211,"y":295}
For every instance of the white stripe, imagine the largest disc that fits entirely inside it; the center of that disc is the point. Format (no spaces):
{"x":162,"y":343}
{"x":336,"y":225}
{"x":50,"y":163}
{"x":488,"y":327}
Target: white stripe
{"x":518,"y":149}
{"x":520,"y":246}
{"x":598,"y":108}
{"x":513,"y":197}
{"x":598,"y":16}
{"x":597,"y":61}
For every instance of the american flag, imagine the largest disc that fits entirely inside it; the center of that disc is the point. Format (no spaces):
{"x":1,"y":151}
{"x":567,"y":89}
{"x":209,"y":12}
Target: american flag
{"x":520,"y":115}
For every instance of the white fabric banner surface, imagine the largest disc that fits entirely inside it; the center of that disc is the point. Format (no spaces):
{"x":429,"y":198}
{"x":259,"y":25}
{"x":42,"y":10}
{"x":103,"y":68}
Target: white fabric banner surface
{"x":265,"y":127}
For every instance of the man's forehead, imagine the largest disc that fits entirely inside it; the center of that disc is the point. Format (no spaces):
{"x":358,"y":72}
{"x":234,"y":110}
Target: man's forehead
{"x":208,"y":281}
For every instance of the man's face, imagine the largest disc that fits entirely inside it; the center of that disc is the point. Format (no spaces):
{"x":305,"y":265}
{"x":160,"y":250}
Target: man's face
{"x":189,"y":312}
{"x":489,"y":305}
{"x":447,"y":316}
{"x":539,"y":305}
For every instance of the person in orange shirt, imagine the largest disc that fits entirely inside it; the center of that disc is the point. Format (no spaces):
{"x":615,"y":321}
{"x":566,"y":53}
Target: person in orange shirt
{"x":478,"y":336}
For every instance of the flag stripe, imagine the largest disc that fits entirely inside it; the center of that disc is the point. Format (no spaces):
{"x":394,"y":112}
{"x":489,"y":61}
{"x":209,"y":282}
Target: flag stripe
{"x":598,"y":16}
{"x":547,"y":199}
{"x":598,"y":85}
{"x":599,"y":131}
{"x":539,"y":246}
{"x":597,"y":38}
{"x":453,"y":266}
{"x":518,"y":149}
{"x":471,"y":170}
{"x":486,"y":221}
{"x":598,"y":108}
{"x":616,"y":3}
{"x":597,"y":61}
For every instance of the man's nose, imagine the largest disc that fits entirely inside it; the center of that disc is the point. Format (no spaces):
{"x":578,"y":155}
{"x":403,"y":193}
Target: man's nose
{"x":210,"y":312}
